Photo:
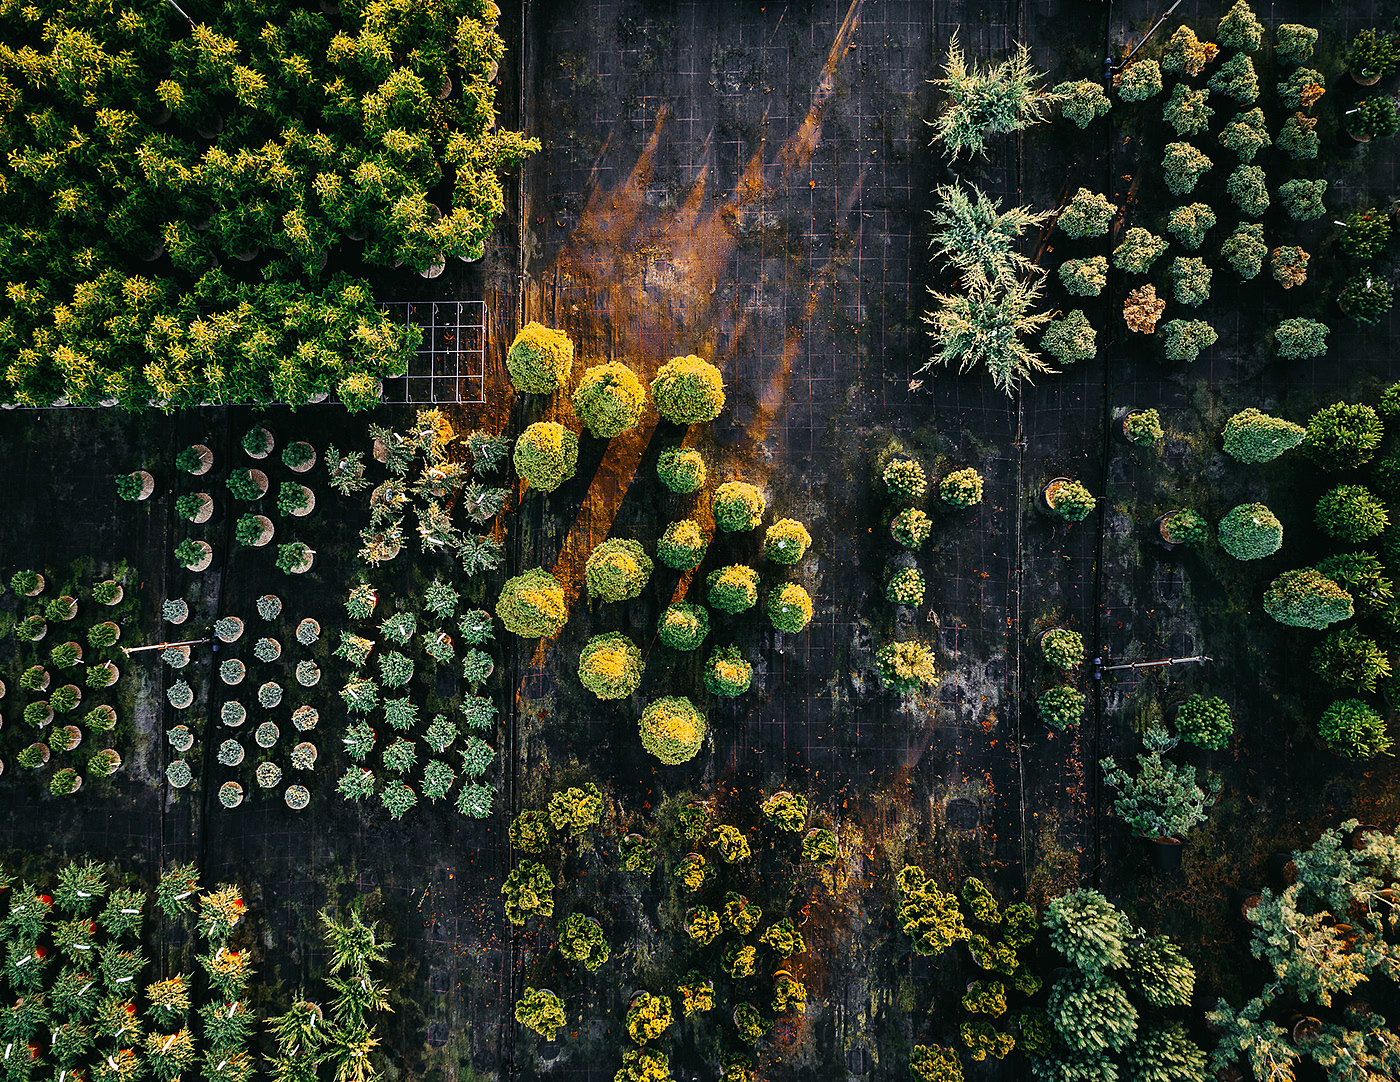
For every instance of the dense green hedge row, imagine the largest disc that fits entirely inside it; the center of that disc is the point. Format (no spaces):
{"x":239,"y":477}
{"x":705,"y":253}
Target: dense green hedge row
{"x":173,"y":201}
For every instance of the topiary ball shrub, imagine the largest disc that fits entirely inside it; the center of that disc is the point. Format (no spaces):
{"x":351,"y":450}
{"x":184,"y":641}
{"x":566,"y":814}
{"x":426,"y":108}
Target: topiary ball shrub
{"x":737,"y":506}
{"x":683,"y":626}
{"x":905,"y":480}
{"x":681,"y":469}
{"x":1307,"y":598}
{"x":1250,"y":531}
{"x":610,"y":666}
{"x":1343,"y":436}
{"x":1353,"y":730}
{"x":546,"y":455}
{"x":1061,"y":706}
{"x":1062,"y":648}
{"x":540,"y":359}
{"x":961,"y":488}
{"x":910,"y":527}
{"x":905,"y":587}
{"x":609,"y":399}
{"x":1252,"y":436}
{"x":1350,"y":513}
{"x":617,"y":570}
{"x":532,"y":605}
{"x":672,"y":729}
{"x":1069,"y":500}
{"x":1205,"y":721}
{"x":727,"y":673}
{"x":905,"y":666}
{"x":688,"y":390}
{"x":786,"y":541}
{"x":789,"y":608}
{"x":733,"y":589}
{"x":682,"y":546}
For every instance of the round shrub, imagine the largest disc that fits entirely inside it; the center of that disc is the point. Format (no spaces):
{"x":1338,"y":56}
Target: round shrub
{"x":910,"y":527}
{"x":682,"y":546}
{"x":178,"y":774}
{"x":1307,"y":598}
{"x":789,"y":608}
{"x":1343,"y":436}
{"x":1250,"y":532}
{"x":672,"y":729}
{"x":1351,"y":514}
{"x":727,"y":673}
{"x":1061,"y":706}
{"x":905,"y":588}
{"x":786,"y":541}
{"x":961,"y":488}
{"x":1252,"y":436}
{"x":1070,"y":338}
{"x":737,"y":506}
{"x":1300,"y":338}
{"x":540,"y":359}
{"x":546,"y":455}
{"x":683,"y":626}
{"x":1142,"y":428}
{"x":617,"y":570}
{"x":1140,"y":80}
{"x":905,"y":479}
{"x":681,"y":469}
{"x":1353,"y":730}
{"x":1205,"y":721}
{"x":688,"y":390}
{"x":609,"y":399}
{"x":733,"y":589}
{"x":1062,"y":648}
{"x":1086,"y":214}
{"x":1349,"y":660}
{"x":532,"y":605}
{"x":905,"y":666}
{"x":610,"y":666}
{"x":1070,"y":500}
{"x":269,"y":695}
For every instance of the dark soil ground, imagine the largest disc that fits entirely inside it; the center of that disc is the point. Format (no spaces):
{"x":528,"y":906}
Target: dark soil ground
{"x":750,"y":182}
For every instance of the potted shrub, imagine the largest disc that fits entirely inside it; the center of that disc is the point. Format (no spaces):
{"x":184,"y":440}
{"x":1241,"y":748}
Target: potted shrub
{"x":269,"y":695}
{"x":905,"y":479}
{"x":906,"y":587}
{"x":180,"y":738}
{"x":910,"y":527}
{"x":38,"y":714}
{"x":179,"y":775}
{"x":305,"y":718}
{"x":1204,"y":721}
{"x":299,"y":456}
{"x":104,"y":762}
{"x":1372,"y":56}
{"x":175,"y":610}
{"x":1182,"y":527}
{"x":1163,"y":801}
{"x":268,"y":775}
{"x":231,"y":753}
{"x":228,"y":628}
{"x":61,"y":609}
{"x":65,"y":738}
{"x":232,"y":671}
{"x":32,"y":628}
{"x":195,"y":459}
{"x":33,"y":757}
{"x":230,"y":794}
{"x":308,"y":673}
{"x":34,"y":678}
{"x":295,"y":559}
{"x":295,"y":500}
{"x":1365,"y":233}
{"x":297,"y":797}
{"x":65,"y":782}
{"x":304,"y":756}
{"x":233,"y":714}
{"x":269,"y":607}
{"x":255,"y":531}
{"x":1068,"y":500}
{"x":308,"y":631}
{"x":1061,"y":706}
{"x":108,"y":592}
{"x":180,"y":695}
{"x":27,"y":583}
{"x":1142,"y":428}
{"x":194,"y":555}
{"x":1371,"y":117}
{"x":135,"y":486}
{"x":257,"y":442}
{"x":961,"y":488}
{"x":196,"y":507}
{"x":100,"y":719}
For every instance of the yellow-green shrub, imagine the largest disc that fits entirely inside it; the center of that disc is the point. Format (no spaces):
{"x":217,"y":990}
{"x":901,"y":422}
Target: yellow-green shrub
{"x":610,"y":666}
{"x":734,"y":588}
{"x":672,"y":729}
{"x":786,"y":541}
{"x":539,"y":360}
{"x":789,"y":607}
{"x":545,"y":455}
{"x":609,"y":399}
{"x":737,"y":506}
{"x":617,"y":570}
{"x":688,"y":390}
{"x":682,"y":546}
{"x":532,"y":604}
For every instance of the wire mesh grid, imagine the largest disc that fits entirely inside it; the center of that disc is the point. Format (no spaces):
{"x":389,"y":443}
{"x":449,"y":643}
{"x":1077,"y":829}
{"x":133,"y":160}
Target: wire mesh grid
{"x":449,"y":365}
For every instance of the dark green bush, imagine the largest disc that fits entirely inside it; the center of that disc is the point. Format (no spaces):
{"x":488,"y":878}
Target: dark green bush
{"x":1236,"y":79}
{"x":1249,"y":189}
{"x":1293,"y":43}
{"x":1240,"y":29}
{"x":1365,"y":297}
{"x":1343,"y":436}
{"x":1353,"y":730}
{"x":1366,"y":233}
{"x":1184,"y":339}
{"x":1250,"y":532}
{"x":1298,"y":137}
{"x":1306,"y":598}
{"x":1139,"y":81}
{"x":681,"y":469}
{"x":1138,"y":251}
{"x":1183,"y":166}
{"x":1245,"y":249}
{"x":1351,"y":514}
{"x":1299,"y":338}
{"x":1351,"y":661}
{"x":1245,"y":135}
{"x":1081,"y":101}
{"x":1189,"y":224}
{"x":1302,"y":199}
{"x":1191,"y":278}
{"x":1087,"y":214}
{"x":1363,"y":576}
{"x":1070,"y":338}
{"x":1061,"y":706}
{"x":1252,"y":436}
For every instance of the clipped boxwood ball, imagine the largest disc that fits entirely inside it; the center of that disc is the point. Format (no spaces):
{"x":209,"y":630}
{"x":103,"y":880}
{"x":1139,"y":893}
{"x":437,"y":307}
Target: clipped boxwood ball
{"x":786,"y":541}
{"x":532,"y":604}
{"x":617,"y":570}
{"x":727,"y":673}
{"x":682,"y":546}
{"x":609,"y":399}
{"x":737,"y":506}
{"x":789,"y":607}
{"x":733,"y":588}
{"x":546,"y":454}
{"x":683,"y":626}
{"x":672,"y":729}
{"x":681,"y":469}
{"x":688,"y":390}
{"x":1250,"y":532}
{"x":610,"y":666}
{"x":539,"y":360}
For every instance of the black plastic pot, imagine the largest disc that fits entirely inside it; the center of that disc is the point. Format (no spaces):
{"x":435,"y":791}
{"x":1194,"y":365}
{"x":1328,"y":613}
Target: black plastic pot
{"x":1166,"y":853}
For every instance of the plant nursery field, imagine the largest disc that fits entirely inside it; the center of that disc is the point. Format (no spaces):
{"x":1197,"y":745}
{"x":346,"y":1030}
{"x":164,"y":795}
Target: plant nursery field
{"x":882,"y":564}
